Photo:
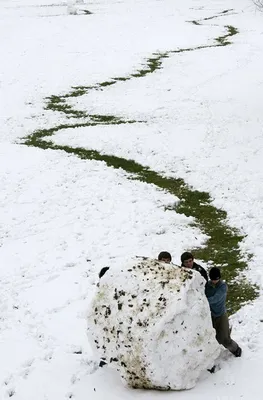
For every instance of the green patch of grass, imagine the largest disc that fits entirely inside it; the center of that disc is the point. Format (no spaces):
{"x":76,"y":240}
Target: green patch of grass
{"x":82,"y":87}
{"x":109,"y":120}
{"x":58,"y":103}
{"x":107,"y":83}
{"x":222,"y":40}
{"x":227,"y":11}
{"x":199,"y":21}
{"x":76,"y":92}
{"x":122,"y":79}
{"x":152,"y":65}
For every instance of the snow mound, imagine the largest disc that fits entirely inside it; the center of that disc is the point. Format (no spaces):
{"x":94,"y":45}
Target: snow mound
{"x":151,"y":321}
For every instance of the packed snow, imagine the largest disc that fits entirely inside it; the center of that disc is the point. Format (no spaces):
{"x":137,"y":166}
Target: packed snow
{"x":151,"y":321}
{"x":62,"y":218}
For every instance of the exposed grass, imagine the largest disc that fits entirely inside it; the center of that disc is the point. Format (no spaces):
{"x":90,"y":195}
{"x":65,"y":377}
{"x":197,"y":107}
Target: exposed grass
{"x":221,"y":14}
{"x":58,"y":103}
{"x":218,"y":15}
{"x":223,"y":40}
{"x":222,"y":246}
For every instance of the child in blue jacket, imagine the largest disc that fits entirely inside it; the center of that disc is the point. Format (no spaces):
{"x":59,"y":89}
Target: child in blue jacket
{"x":216,"y":291}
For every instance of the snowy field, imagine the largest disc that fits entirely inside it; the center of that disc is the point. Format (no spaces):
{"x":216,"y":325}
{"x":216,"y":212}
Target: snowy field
{"x":63,"y":218}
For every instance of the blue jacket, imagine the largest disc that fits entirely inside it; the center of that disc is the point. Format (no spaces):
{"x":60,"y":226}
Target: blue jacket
{"x":216,"y":296}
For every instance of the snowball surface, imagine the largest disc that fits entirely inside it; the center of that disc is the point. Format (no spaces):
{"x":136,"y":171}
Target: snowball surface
{"x":151,"y":321}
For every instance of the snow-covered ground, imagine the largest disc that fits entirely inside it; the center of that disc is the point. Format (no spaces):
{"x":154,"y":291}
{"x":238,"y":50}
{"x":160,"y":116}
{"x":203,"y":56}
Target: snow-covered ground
{"x":62,"y":218}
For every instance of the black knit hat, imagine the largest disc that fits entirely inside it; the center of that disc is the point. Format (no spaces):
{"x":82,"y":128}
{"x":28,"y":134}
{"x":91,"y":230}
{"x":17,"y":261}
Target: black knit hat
{"x":214,"y":274}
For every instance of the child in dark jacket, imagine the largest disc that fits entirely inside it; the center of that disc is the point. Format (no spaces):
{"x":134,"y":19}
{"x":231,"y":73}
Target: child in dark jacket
{"x":187,"y":260}
{"x":216,"y":291}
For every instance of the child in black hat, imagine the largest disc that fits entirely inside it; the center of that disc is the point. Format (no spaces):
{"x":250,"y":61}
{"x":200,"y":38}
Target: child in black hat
{"x":216,"y":291}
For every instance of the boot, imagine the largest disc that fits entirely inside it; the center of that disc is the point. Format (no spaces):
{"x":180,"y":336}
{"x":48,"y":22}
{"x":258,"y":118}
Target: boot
{"x":238,"y":352}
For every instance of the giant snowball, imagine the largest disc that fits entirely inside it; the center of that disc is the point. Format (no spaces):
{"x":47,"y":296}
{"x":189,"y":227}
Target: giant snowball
{"x":151,"y":321}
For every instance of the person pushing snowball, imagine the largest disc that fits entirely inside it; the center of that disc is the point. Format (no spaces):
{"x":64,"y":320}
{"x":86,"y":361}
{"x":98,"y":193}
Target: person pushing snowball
{"x":216,"y":292}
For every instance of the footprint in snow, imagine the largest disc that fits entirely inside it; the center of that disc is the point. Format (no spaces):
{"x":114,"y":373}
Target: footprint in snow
{"x":11,"y":392}
{"x":52,"y":278}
